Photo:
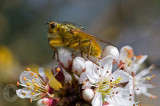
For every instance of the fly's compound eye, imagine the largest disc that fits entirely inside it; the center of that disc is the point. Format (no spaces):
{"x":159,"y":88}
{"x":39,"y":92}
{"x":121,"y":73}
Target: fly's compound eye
{"x":53,"y":25}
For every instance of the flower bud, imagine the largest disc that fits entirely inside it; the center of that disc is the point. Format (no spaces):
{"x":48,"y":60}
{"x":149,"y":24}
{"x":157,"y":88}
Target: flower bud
{"x":47,"y":102}
{"x":44,"y":102}
{"x":88,"y":94}
{"x":78,"y":65}
{"x":111,"y":50}
{"x":65,"y":58}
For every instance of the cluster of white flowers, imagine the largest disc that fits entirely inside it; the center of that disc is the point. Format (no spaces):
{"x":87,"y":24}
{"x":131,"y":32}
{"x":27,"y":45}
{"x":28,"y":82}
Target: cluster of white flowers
{"x":99,"y":84}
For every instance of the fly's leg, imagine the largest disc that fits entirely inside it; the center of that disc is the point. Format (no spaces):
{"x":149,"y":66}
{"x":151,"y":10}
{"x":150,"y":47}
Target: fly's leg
{"x":75,"y":45}
{"x":89,"y":51}
{"x":55,"y":52}
{"x":53,"y":43}
{"x":82,"y":54}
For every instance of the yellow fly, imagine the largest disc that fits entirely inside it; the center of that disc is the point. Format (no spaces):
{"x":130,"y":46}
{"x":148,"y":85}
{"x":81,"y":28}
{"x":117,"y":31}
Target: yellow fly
{"x":71,"y":36}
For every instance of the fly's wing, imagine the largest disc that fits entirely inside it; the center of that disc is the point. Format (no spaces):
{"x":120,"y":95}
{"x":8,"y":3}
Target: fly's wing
{"x":90,"y":36}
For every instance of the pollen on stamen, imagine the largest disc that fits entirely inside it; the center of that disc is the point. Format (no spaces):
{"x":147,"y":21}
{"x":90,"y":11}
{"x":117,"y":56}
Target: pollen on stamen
{"x":30,"y":100}
{"x":28,"y":69}
{"x":35,"y":89}
{"x":17,"y":83}
{"x":58,"y":69}
{"x":24,"y":78}
{"x":33,"y":81}
{"x":154,"y":85}
{"x":84,"y":83}
{"x":153,"y":97}
{"x":111,"y":85}
{"x":117,"y":92}
{"x":36,"y":85}
{"x":29,"y":88}
{"x":36,"y":76}
{"x":28,"y":83}
{"x":43,"y":102}
{"x":23,"y":93}
{"x":149,"y":78}
{"x":139,"y":57}
{"x":51,"y":96}
{"x":130,"y":99}
{"x":32,"y":73}
{"x":32,"y":93}
{"x":153,"y":76}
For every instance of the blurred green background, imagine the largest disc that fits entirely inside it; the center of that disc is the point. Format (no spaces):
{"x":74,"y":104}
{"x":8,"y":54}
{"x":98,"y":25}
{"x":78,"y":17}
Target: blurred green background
{"x":23,"y":40}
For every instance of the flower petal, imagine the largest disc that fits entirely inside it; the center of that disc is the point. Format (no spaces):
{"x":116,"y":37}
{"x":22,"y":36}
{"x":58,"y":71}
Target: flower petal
{"x":78,"y":65}
{"x":65,"y":57}
{"x":25,"y":93}
{"x":97,"y":100}
{"x":90,"y":72}
{"x":123,"y":53}
{"x":144,"y":72}
{"x":25,"y":74}
{"x":140,"y":61}
{"x":106,"y":65}
{"x":125,"y":77}
{"x":83,"y":77}
{"x":42,"y":74}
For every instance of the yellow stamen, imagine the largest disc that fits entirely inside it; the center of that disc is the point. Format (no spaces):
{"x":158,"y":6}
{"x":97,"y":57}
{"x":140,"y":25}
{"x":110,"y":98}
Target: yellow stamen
{"x":35,"y":89}
{"x":139,"y":57}
{"x":128,"y":61}
{"x":51,"y":96}
{"x":153,"y":76}
{"x":84,"y":83}
{"x":31,"y":100}
{"x":29,"y":88}
{"x":23,"y":93}
{"x":58,"y":69}
{"x":43,"y":102}
{"x":32,"y":73}
{"x":27,"y":69}
{"x":148,"y":78}
{"x":24,"y":78}
{"x":33,"y":81}
{"x":130,"y":52}
{"x":36,"y":76}
{"x":32,"y":93}
{"x":28,"y":83}
{"x":36,"y":85}
{"x":156,"y":97}
{"x":17,"y":83}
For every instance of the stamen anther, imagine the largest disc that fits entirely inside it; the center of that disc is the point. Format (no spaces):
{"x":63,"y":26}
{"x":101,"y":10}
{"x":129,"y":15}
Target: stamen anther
{"x":17,"y":83}
{"x":27,"y":69}
{"x":58,"y":69}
